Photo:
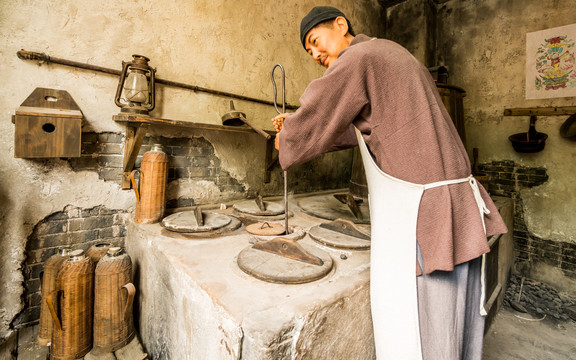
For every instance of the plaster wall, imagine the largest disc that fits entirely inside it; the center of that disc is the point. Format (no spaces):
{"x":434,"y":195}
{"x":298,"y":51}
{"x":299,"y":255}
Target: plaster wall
{"x":483,"y":44}
{"x":486,"y":49}
{"x":219,"y":44}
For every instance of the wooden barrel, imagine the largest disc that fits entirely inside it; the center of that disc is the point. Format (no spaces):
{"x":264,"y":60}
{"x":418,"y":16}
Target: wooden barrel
{"x":151,"y":192}
{"x":113,"y":299}
{"x":51,"y":268}
{"x":70,"y":305}
{"x":453,"y":99}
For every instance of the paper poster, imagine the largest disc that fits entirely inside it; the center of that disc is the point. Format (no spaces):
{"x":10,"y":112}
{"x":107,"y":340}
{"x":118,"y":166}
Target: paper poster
{"x":550,"y":63}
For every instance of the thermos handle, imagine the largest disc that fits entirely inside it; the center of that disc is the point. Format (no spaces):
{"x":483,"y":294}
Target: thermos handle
{"x":134,"y":184}
{"x":53,"y":312}
{"x":131,"y":290}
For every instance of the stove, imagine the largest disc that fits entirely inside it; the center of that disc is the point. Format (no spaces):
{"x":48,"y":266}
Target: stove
{"x":225,"y":293}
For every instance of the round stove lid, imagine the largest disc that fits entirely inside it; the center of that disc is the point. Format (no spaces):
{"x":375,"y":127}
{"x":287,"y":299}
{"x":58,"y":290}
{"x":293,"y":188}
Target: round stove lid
{"x":186,"y":222}
{"x":276,"y":268}
{"x":266,"y":229}
{"x":337,"y":239}
{"x":251,"y":207}
{"x":330,"y":208}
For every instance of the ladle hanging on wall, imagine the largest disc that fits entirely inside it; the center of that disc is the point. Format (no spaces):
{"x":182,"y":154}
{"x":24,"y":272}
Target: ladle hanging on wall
{"x":531,"y":141}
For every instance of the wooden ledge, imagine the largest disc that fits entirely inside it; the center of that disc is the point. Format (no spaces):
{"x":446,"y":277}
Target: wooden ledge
{"x":135,"y":120}
{"x":541,"y":111}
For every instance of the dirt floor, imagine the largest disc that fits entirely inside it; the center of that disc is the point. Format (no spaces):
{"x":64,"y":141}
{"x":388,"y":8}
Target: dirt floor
{"x":520,"y":336}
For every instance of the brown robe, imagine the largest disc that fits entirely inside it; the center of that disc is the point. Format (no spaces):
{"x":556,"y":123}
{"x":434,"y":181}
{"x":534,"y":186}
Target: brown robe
{"x":379,"y":87}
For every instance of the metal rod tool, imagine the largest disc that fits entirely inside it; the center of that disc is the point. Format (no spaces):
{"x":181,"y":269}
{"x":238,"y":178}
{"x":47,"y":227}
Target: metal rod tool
{"x":283,"y":111}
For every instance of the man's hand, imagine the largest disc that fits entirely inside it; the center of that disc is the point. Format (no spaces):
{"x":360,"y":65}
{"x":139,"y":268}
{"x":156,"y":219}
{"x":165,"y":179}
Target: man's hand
{"x":278,"y":121}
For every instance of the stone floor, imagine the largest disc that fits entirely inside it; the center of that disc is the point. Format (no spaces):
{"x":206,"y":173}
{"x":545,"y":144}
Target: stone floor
{"x":520,"y":336}
{"x":513,"y":335}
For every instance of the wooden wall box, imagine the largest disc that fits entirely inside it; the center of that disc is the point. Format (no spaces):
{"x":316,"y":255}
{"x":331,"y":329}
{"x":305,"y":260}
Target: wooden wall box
{"x":48,"y":124}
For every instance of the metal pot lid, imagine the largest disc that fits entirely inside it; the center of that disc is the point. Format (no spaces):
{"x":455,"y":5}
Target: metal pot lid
{"x":251,"y":207}
{"x":186,"y":222}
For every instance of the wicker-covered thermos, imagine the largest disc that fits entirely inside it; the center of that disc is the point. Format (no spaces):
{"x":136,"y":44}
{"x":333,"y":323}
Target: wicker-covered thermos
{"x":51,"y":267}
{"x":70,"y":305}
{"x":113,"y":298}
{"x":97,"y":252}
{"x":151,"y":192}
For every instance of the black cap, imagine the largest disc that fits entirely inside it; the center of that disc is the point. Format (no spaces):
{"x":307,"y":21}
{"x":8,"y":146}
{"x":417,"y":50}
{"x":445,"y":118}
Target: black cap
{"x":317,"y":15}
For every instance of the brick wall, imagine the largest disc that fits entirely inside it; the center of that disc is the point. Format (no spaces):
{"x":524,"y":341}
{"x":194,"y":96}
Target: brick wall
{"x":80,"y":228}
{"x":507,"y":179}
{"x":188,"y":158}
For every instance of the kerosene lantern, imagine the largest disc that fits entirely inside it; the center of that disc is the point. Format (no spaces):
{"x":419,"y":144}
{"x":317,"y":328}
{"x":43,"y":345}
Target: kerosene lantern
{"x":137,"y":86}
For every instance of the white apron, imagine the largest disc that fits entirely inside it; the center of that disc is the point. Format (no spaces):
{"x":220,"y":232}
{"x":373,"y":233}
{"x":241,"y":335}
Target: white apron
{"x":394,"y":205}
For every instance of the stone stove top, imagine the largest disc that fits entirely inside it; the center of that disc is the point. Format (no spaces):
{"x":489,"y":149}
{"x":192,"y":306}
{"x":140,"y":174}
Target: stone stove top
{"x":194,"y":301}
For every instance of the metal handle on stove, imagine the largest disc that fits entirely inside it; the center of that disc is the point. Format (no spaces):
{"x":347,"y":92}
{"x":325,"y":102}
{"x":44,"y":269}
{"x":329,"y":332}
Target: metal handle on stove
{"x":283,"y":88}
{"x":286,"y":229}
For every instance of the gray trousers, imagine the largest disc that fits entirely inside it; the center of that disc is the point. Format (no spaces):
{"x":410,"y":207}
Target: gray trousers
{"x":451,"y":327}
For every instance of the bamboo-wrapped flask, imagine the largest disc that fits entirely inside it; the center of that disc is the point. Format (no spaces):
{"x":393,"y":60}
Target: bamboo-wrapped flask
{"x":97,"y":252}
{"x":113,"y":299}
{"x":151,"y":192}
{"x":51,"y":267}
{"x":70,"y":305}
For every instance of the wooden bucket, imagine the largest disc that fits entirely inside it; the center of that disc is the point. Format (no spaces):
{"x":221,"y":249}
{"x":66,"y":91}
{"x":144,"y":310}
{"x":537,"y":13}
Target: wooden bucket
{"x":51,"y":268}
{"x":113,"y":299}
{"x":151,"y":192}
{"x":70,"y":305}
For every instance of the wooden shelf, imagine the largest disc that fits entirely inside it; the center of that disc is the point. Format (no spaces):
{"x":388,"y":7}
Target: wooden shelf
{"x":541,"y":111}
{"x":136,"y":120}
{"x":137,"y":126}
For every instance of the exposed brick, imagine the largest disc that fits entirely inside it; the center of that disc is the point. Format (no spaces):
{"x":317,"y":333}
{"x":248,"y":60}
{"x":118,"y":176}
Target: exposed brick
{"x":110,"y":174}
{"x":89,"y":137}
{"x":201,"y":161}
{"x":26,"y":318}
{"x":89,"y":148}
{"x":34,"y":299}
{"x":178,"y":150}
{"x":111,"y":161}
{"x":51,"y":227}
{"x":111,"y":148}
{"x":32,"y":285}
{"x":95,"y":211}
{"x":180,"y":162}
{"x":110,"y":138}
{"x":98,"y":222}
{"x":33,"y":271}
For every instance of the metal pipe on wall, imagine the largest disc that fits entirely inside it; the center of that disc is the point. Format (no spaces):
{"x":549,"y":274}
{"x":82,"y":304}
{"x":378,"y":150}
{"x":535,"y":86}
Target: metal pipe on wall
{"x":30,"y":55}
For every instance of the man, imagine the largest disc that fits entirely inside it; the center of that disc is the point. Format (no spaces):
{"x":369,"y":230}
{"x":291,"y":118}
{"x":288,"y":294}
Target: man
{"x":430,"y":218}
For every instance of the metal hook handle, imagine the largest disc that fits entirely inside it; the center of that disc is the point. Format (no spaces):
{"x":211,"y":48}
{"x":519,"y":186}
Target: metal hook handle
{"x":283,"y":88}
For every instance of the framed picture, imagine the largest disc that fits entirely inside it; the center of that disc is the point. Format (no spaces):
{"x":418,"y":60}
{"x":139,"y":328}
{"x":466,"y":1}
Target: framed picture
{"x":550,"y":63}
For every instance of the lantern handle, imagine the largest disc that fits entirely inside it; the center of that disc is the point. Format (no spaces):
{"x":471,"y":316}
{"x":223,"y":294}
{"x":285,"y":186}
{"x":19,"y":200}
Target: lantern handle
{"x":122,"y":78}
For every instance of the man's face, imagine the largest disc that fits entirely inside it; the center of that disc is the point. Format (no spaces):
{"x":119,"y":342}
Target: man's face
{"x":324,"y":43}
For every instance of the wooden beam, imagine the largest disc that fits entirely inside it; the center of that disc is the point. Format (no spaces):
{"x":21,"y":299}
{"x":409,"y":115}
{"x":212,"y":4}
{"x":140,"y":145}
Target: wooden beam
{"x":541,"y":111}
{"x":134,"y":138}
